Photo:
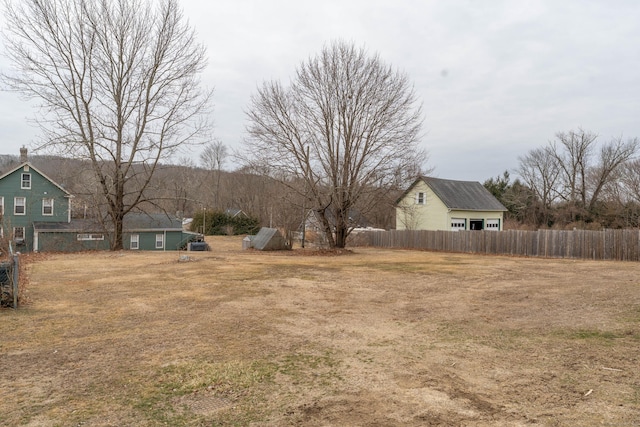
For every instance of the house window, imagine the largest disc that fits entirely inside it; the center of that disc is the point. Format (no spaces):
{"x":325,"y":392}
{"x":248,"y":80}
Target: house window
{"x":47,"y":206}
{"x":18,"y":235}
{"x":26,"y":181}
{"x":159,"y":241}
{"x":90,"y":236}
{"x":421,"y":198}
{"x":135,"y":241}
{"x":19,"y":205}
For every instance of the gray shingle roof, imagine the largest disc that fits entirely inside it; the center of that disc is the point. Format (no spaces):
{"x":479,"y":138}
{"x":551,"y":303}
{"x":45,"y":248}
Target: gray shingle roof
{"x":144,"y":221}
{"x":464,"y":195}
{"x":133,"y":221}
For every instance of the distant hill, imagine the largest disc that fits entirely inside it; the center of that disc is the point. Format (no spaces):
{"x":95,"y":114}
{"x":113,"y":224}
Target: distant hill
{"x":7,"y":162}
{"x":188,"y":189}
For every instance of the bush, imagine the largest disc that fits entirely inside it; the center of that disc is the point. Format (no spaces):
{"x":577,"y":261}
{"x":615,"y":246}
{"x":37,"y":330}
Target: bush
{"x":222,"y":224}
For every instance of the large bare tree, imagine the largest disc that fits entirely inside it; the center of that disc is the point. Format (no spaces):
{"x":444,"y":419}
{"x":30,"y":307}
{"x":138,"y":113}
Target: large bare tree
{"x":347,"y":126}
{"x":573,"y":151}
{"x":608,"y":171}
{"x":212,"y":158}
{"x":118,"y":83}
{"x":540,"y":171}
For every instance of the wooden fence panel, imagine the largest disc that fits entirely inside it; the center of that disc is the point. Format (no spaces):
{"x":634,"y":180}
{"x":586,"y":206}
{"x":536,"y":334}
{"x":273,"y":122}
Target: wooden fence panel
{"x":620,"y":245}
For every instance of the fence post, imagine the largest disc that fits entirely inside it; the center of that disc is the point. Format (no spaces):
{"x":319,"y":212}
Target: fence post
{"x":16,"y":276}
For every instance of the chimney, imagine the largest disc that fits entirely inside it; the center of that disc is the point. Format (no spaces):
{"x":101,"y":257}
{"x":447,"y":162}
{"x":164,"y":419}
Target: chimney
{"x":23,"y":155}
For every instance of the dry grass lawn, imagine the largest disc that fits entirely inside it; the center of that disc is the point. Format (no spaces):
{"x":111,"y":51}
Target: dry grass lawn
{"x":371,"y":338}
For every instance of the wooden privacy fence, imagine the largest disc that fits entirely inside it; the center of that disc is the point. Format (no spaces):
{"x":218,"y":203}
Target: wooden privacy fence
{"x":620,"y":245}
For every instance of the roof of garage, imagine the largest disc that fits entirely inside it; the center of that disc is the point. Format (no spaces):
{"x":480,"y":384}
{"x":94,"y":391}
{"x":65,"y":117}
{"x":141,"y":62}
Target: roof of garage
{"x":461,"y":195}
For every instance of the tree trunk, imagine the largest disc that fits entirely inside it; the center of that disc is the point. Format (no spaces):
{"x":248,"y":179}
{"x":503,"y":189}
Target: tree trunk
{"x":117,"y":241}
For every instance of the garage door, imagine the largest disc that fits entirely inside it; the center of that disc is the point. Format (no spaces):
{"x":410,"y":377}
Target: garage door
{"x":493,"y":224}
{"x":458,"y":224}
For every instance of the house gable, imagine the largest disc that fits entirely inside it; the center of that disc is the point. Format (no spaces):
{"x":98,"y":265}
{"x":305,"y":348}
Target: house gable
{"x":29,"y":196}
{"x":420,"y":209}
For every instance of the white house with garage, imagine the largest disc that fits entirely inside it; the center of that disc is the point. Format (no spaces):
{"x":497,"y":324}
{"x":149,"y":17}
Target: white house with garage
{"x":444,"y":204}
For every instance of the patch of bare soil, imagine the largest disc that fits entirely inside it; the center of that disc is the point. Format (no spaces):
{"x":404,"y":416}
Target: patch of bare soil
{"x":376,"y":338}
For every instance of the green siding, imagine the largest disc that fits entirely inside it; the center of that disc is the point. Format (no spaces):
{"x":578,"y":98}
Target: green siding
{"x":41,"y":188}
{"x":147,"y":240}
{"x":68,"y":242}
{"x":62,"y":240}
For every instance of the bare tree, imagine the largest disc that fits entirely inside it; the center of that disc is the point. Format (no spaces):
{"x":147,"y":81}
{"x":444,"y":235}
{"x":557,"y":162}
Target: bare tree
{"x":212,"y":158}
{"x":573,"y":151}
{"x":608,"y":170}
{"x":118,"y":83}
{"x":540,"y":172}
{"x":585,"y":172}
{"x":214,"y":155}
{"x":175,"y":187}
{"x":346,"y":125}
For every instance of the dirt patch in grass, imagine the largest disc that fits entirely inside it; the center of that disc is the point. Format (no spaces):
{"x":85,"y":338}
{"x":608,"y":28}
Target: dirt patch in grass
{"x":378,"y":337}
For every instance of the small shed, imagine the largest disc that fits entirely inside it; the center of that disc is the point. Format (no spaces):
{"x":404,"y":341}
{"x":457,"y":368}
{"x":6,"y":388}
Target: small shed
{"x":247,"y":242}
{"x":269,"y":239}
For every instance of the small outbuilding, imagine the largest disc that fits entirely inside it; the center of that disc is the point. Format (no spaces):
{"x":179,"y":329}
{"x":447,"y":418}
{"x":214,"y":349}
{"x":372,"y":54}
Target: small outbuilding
{"x":269,"y":239}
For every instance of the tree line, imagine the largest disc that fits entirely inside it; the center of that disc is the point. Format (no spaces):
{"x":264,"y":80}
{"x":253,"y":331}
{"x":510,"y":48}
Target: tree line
{"x":577,"y":180}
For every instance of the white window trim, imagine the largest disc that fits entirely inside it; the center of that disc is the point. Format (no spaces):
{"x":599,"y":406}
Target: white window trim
{"x":43,"y":206}
{"x":134,"y":242}
{"x":1,"y":205}
{"x":15,"y":206}
{"x":159,"y":241}
{"x":22,"y":181}
{"x":421,"y":198}
{"x":14,"y":233}
{"x":89,"y":236}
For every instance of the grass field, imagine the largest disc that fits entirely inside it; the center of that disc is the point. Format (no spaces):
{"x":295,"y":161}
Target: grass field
{"x":368,"y":338}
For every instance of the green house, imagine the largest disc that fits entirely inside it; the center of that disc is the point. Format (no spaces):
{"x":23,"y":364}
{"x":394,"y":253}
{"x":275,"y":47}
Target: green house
{"x":27,"y":196}
{"x":36,"y":216}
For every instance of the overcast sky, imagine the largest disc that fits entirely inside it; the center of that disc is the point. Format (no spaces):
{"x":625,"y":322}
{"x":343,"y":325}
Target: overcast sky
{"x":496,"y":78}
